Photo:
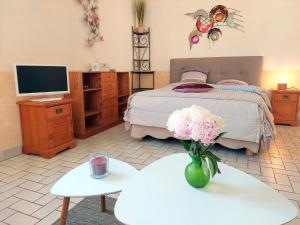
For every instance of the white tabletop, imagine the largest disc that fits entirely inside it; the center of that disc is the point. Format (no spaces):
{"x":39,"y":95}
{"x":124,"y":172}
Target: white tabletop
{"x":160,"y":195}
{"x":79,"y":183}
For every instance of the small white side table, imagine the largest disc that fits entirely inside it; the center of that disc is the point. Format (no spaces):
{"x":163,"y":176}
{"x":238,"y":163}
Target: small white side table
{"x":79,"y":183}
{"x":160,"y":195}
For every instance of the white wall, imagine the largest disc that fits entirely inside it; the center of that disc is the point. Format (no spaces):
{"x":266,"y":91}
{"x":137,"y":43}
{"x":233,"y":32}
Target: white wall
{"x":272,"y":30}
{"x":52,"y":31}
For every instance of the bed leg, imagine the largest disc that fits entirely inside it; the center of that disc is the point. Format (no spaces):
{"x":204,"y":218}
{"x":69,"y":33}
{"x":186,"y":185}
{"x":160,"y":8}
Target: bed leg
{"x":249,"y":152}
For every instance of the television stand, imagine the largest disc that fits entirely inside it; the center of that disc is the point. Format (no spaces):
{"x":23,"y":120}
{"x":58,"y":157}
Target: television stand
{"x":46,"y":99}
{"x":47,"y":127}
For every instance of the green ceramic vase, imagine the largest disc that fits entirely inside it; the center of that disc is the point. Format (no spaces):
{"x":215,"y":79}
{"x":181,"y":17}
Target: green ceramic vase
{"x":197,"y":174}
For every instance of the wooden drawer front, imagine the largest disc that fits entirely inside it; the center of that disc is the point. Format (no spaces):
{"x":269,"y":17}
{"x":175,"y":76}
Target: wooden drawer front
{"x":286,"y":97}
{"x":285,"y":111}
{"x":109,"y":85}
{"x":60,"y":131}
{"x":110,"y":112}
{"x":57,"y":111}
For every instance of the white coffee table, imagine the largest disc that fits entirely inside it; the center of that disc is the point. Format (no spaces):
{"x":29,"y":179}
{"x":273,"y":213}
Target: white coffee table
{"x":160,"y":195}
{"x":79,"y":183}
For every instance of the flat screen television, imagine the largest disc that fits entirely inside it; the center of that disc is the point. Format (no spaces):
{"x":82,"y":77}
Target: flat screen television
{"x":33,"y":80}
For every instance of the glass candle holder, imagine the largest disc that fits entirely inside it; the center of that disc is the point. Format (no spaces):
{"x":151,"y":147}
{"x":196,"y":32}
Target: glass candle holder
{"x":99,"y":165}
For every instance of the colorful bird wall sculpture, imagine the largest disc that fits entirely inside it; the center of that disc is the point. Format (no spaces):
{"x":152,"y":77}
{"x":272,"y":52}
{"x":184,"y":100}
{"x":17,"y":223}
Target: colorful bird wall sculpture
{"x":210,"y":23}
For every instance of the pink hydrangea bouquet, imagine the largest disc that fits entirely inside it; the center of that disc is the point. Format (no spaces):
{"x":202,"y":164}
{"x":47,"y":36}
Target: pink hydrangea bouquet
{"x":198,"y":130}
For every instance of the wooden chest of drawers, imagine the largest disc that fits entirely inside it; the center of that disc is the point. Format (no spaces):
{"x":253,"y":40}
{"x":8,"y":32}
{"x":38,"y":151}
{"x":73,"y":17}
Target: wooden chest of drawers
{"x":285,"y":106}
{"x":47,"y":127}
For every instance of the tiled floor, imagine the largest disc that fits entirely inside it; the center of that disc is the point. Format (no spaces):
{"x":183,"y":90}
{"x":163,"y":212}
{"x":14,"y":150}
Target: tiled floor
{"x":25,"y":180}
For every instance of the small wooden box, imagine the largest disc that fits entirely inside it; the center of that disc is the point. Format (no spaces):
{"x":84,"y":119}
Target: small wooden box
{"x":47,"y":127}
{"x":285,"y":106}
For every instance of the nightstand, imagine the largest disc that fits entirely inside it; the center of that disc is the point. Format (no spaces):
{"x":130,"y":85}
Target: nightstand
{"x":285,"y":106}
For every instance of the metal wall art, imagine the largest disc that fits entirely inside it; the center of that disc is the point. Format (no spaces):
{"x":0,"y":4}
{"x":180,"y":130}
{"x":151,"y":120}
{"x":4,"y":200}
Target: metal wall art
{"x":92,"y":21}
{"x":210,"y":23}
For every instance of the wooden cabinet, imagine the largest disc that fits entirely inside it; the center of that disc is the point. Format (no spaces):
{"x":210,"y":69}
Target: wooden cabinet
{"x":47,"y":127}
{"x":99,"y":100}
{"x":285,"y":106}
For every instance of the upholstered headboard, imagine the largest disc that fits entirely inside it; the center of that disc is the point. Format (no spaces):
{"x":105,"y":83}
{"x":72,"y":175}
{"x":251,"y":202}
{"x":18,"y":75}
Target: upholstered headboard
{"x":246,"y":68}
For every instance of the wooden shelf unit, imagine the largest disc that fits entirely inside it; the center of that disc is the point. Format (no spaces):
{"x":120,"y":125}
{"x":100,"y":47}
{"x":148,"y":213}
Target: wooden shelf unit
{"x":123,"y":93}
{"x":98,"y":100}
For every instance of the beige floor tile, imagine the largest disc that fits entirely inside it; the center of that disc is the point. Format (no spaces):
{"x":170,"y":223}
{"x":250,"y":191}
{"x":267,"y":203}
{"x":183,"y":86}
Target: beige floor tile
{"x":290,"y":166}
{"x":36,"y":170}
{"x":33,"y":186}
{"x":15,"y":177}
{"x":11,"y":185}
{"x":292,"y":196}
{"x":25,"y":207}
{"x":296,"y":186}
{"x":28,"y":195}
{"x":51,"y":178}
{"x":8,"y":202}
{"x":50,"y":219}
{"x":10,"y":193}
{"x":38,"y":164}
{"x":282,"y":179}
{"x":287,"y":172}
{"x":267,"y":172}
{"x":5,"y":213}
{"x":266,"y":179}
{"x":47,"y":209}
{"x":281,"y":187}
{"x":21,"y":219}
{"x":276,"y":161}
{"x":46,"y":189}
{"x":34,"y":177}
{"x":45,"y":199}
{"x":53,"y":171}
{"x":3,"y":176}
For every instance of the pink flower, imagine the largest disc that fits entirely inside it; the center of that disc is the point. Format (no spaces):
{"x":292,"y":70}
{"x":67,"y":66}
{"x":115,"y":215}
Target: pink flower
{"x":204,"y":131}
{"x":195,"y":123}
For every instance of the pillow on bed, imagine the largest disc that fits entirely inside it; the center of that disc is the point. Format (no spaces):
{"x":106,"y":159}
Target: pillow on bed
{"x":194,"y":76}
{"x":201,"y":69}
{"x":232,"y":82}
{"x":193,"y":88}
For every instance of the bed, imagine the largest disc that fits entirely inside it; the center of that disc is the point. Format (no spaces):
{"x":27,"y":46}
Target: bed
{"x":247,"y":114}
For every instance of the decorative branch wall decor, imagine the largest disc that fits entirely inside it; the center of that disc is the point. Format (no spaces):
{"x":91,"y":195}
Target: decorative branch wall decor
{"x":92,"y":21}
{"x":210,"y":23}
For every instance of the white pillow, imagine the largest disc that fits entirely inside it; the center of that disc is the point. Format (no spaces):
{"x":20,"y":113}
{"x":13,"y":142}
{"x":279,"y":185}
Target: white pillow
{"x":232,"y":82}
{"x":194,"y":76}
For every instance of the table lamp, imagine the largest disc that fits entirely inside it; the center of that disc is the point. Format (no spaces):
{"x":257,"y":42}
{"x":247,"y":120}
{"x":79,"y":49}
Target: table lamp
{"x":282,"y":83}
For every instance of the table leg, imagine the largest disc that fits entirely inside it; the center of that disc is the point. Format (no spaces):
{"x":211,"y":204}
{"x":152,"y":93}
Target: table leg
{"x":102,"y":202}
{"x":64,"y":212}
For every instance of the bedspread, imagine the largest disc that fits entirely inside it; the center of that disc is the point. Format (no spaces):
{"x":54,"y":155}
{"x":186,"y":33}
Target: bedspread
{"x":246,"y":111}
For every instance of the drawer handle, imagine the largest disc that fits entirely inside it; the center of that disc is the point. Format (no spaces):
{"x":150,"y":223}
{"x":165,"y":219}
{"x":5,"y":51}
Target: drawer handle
{"x":58,"y":111}
{"x":285,"y":96}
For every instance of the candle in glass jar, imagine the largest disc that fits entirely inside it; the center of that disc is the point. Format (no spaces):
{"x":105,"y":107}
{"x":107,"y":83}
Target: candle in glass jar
{"x":99,"y":166}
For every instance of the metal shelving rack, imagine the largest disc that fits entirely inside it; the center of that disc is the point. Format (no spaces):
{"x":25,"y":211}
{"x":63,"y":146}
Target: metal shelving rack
{"x":141,"y":58}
